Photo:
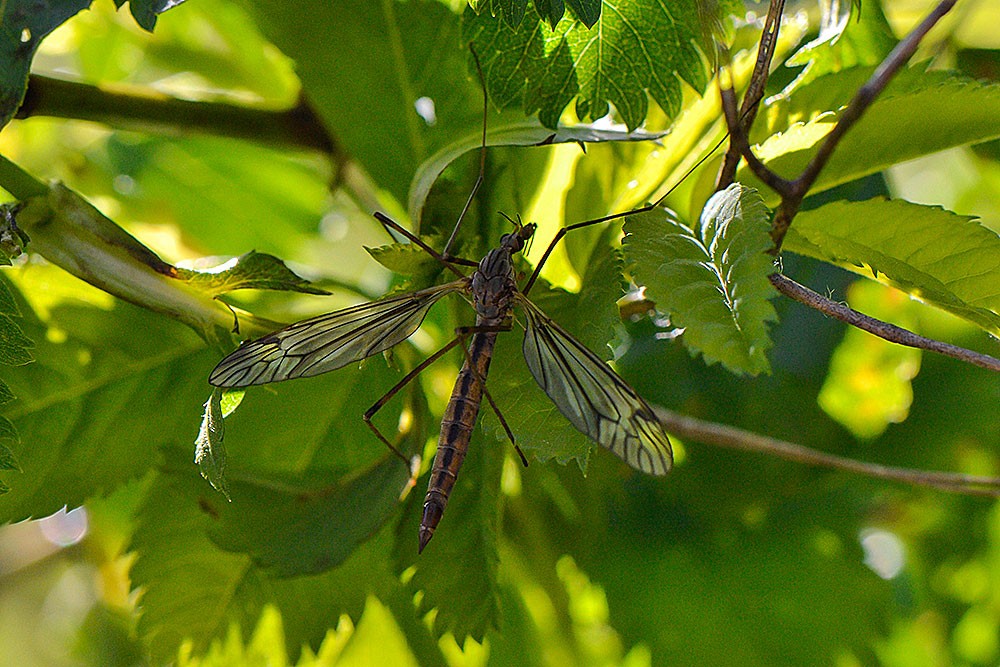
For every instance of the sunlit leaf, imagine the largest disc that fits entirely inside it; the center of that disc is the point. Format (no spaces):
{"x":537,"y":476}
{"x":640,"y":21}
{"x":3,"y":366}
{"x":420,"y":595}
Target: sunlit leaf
{"x":711,"y":279}
{"x":637,"y":50}
{"x":921,"y":113}
{"x":194,"y":589}
{"x":944,"y":259}
{"x":107,"y":388}
{"x":530,"y":133}
{"x":209,"y":447}
{"x":846,"y":39}
{"x":254,"y":270}
{"x":378,"y":640}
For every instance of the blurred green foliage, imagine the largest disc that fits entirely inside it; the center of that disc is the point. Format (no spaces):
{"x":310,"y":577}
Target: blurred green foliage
{"x":734,"y":559}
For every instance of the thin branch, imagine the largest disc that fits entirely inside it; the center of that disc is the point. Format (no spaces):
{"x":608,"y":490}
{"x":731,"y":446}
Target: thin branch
{"x":712,"y":433}
{"x":889,"y":332}
{"x":738,"y":140}
{"x":135,"y":108}
{"x":755,"y":91}
{"x":884,"y":73}
{"x":794,"y":191}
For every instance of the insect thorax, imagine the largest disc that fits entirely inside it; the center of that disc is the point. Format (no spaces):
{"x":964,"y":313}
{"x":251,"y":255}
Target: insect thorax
{"x":493,"y":284}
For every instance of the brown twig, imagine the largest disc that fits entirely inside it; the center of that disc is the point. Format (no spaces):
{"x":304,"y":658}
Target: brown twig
{"x":755,"y":91}
{"x":867,"y":94}
{"x":889,"y":332}
{"x":134,"y":108}
{"x":712,"y":433}
{"x":738,"y":139}
{"x":794,"y":191}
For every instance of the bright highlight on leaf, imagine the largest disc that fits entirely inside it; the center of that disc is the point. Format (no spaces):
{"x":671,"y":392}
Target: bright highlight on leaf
{"x":253,"y":270}
{"x":524,"y":133}
{"x":921,"y":113}
{"x":944,"y":259}
{"x":711,"y":279}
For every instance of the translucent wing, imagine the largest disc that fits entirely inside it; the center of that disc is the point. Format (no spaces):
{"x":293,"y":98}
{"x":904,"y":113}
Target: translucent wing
{"x":592,"y":396}
{"x":330,"y":341}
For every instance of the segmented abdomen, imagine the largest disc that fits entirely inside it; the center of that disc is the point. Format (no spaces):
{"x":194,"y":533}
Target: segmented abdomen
{"x":456,"y":431}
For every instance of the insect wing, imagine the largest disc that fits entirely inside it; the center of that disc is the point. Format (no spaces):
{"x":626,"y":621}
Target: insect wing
{"x":594,"y":399}
{"x":329,"y":341}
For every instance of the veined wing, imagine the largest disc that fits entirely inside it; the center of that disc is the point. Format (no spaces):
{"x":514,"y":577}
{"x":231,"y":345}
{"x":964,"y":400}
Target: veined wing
{"x":330,"y":341}
{"x":592,"y":396}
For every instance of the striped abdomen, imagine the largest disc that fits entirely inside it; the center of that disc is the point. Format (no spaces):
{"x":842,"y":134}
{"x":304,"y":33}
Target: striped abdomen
{"x":456,"y":431}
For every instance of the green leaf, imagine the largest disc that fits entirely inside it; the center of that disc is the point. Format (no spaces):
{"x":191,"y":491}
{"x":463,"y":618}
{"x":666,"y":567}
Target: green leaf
{"x":253,"y":270}
{"x":588,"y":11}
{"x":6,"y":395}
{"x":425,"y":60}
{"x":846,"y":39}
{"x":306,"y":527}
{"x":406,"y":259}
{"x":920,"y":113}
{"x":231,"y":399}
{"x":7,"y":432}
{"x":209,"y":447}
{"x":7,"y":459}
{"x":14,"y":345}
{"x":712,"y":279}
{"x":457,"y":571}
{"x":551,"y":11}
{"x":8,"y":305}
{"x":530,"y":133}
{"x":193,"y":589}
{"x":944,"y":259}
{"x":25,"y":24}
{"x":110,"y":385}
{"x":635,"y":51}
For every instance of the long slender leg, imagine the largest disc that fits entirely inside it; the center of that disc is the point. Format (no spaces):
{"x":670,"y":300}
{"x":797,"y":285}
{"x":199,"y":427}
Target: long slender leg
{"x":461,"y":334}
{"x":389,"y":223}
{"x":614,"y":216}
{"x":445,"y":256}
{"x":578,"y":225}
{"x":380,"y":403}
{"x":482,"y":160}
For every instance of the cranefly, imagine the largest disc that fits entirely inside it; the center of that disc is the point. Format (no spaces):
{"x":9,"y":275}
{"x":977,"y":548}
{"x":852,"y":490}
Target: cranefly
{"x":582,"y":386}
